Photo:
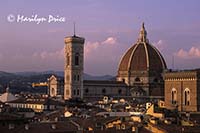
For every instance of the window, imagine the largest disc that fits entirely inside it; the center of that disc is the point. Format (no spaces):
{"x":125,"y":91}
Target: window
{"x":174,"y":96}
{"x":78,"y":78}
{"x":119,"y":91}
{"x":187,"y":97}
{"x":74,"y":77}
{"x":86,"y":90}
{"x":52,"y":91}
{"x":103,"y":90}
{"x":67,"y":92}
{"x":67,"y":77}
{"x":77,"y":59}
{"x":155,"y":80}
{"x":137,"y":79}
{"x":68,"y":59}
{"x":74,"y":92}
{"x":78,"y":92}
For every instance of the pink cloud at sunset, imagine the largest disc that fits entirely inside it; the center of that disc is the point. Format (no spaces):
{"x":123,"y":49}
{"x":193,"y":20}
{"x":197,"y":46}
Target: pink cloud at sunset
{"x":110,"y":40}
{"x":193,"y":52}
{"x":108,"y":52}
{"x":160,"y":45}
{"x":59,"y":54}
{"x":93,"y":46}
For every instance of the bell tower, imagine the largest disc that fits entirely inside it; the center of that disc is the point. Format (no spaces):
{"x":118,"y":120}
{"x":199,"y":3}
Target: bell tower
{"x":73,"y":69}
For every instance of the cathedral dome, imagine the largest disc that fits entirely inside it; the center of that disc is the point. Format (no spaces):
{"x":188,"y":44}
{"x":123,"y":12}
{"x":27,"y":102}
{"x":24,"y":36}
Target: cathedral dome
{"x":142,"y":56}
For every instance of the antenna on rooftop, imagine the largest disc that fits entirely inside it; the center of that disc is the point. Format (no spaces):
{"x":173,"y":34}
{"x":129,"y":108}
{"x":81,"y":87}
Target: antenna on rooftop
{"x":7,"y":88}
{"x":74,"y":29}
{"x":173,"y":61}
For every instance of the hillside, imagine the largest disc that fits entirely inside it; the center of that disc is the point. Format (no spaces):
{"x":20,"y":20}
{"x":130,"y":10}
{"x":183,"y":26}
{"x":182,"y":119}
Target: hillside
{"x":22,"y":81}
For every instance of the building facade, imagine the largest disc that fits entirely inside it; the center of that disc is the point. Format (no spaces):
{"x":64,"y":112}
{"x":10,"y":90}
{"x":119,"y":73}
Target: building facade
{"x":182,"y":90}
{"x":94,"y":89}
{"x":37,"y":104}
{"x":139,"y":73}
{"x":73,"y":69}
{"x":55,"y":86}
{"x":142,"y":67}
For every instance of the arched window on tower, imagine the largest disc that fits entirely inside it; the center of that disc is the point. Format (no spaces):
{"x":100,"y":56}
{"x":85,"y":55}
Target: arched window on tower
{"x":67,"y":92}
{"x":68,"y":59}
{"x":67,"y":78}
{"x":174,"y":96}
{"x":77,"y":59}
{"x":187,"y":96}
{"x":137,"y":79}
{"x":52,"y":91}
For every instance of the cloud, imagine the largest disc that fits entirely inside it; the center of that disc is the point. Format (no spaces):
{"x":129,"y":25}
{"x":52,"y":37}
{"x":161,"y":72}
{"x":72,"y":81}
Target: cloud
{"x":38,"y":61}
{"x":56,"y":30}
{"x":93,"y":46}
{"x":193,"y":52}
{"x":102,"y":56}
{"x":110,"y":40}
{"x":160,"y":45}
{"x":59,"y":54}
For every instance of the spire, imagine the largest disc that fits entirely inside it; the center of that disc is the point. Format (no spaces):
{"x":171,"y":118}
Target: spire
{"x":74,"y":29}
{"x":7,"y":89}
{"x":143,"y":34}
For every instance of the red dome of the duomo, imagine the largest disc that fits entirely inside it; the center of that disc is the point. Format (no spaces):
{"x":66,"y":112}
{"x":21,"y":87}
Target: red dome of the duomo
{"x":142,"y":56}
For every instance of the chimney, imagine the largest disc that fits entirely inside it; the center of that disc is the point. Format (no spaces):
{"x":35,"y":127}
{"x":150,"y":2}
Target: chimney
{"x":53,"y":126}
{"x":26,"y":127}
{"x":123,"y":127}
{"x":11,"y":126}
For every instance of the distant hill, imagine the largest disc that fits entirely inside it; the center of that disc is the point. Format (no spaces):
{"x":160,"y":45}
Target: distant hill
{"x":2,"y":74}
{"x":61,"y":74}
{"x":29,"y":73}
{"x":91,"y":77}
{"x":22,"y":81}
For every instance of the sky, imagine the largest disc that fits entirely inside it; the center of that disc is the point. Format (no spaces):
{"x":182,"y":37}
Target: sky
{"x":109,"y":27}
